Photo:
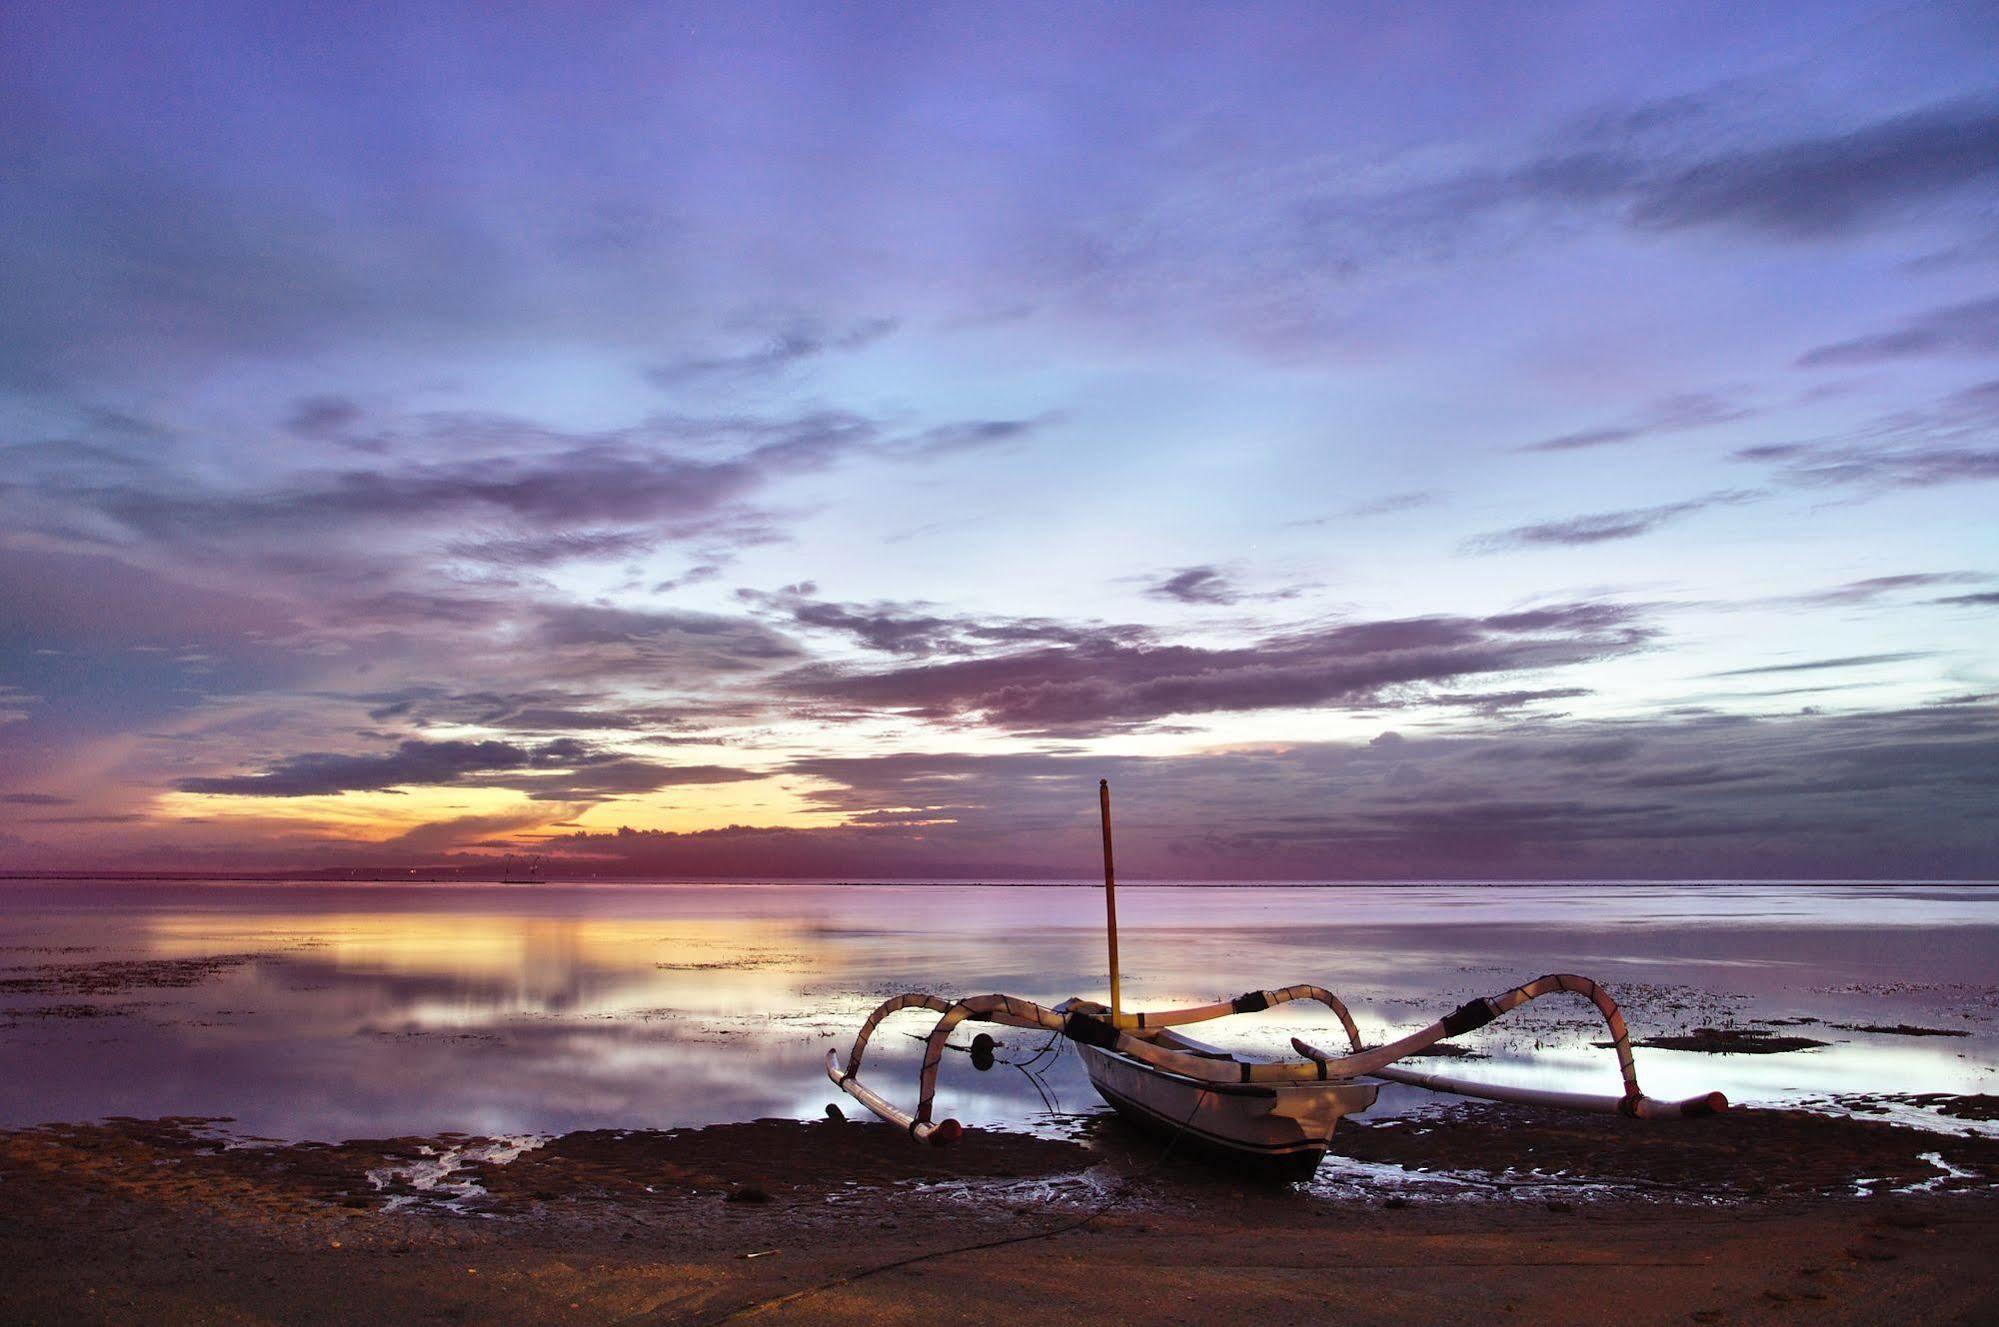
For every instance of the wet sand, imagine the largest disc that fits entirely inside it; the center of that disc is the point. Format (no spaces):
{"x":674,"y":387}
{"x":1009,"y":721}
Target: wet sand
{"x":1478,"y":1216}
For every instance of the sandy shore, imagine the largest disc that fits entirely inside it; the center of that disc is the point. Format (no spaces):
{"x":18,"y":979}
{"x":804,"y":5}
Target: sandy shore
{"x":1483,"y":1216}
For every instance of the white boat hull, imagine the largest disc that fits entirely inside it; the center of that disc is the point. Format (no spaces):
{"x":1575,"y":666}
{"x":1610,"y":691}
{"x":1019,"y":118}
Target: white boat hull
{"x":1281,"y":1128}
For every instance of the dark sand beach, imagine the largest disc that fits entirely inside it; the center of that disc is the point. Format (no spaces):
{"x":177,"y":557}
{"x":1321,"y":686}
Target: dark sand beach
{"x":1481,"y":1215}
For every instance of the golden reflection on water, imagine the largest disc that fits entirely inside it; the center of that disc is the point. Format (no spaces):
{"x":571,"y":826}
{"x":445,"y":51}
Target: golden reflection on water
{"x":502,"y":965}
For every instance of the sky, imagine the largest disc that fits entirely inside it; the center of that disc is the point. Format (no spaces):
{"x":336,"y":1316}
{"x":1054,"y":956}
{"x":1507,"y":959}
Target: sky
{"x":1414,"y":441}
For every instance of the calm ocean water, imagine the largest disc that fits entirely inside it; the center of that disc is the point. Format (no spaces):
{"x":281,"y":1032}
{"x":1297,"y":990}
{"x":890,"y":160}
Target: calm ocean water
{"x":360,"y":1010}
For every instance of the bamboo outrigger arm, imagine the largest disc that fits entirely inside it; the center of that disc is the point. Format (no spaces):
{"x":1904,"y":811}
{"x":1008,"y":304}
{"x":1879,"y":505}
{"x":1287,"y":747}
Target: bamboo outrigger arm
{"x":1092,"y":1024}
{"x":1476,"y":1014}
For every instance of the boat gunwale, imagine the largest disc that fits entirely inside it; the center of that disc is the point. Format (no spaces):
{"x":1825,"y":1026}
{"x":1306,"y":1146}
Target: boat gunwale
{"x":1265,"y":1090}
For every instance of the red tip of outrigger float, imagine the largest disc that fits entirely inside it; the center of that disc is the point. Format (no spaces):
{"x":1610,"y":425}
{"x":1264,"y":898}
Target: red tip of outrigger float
{"x":946,"y":1133}
{"x":1714,"y":1103}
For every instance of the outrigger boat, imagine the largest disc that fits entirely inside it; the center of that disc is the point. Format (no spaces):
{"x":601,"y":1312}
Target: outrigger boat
{"x":1277,"y":1116}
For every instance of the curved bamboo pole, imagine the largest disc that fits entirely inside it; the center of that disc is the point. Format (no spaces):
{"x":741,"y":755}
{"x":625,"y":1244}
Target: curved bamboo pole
{"x":1089,"y":1024}
{"x":1249,"y":1002}
{"x":1476,"y":1014}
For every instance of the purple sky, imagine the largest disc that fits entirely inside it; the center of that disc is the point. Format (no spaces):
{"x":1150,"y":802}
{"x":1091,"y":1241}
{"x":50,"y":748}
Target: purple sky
{"x":823,"y":440}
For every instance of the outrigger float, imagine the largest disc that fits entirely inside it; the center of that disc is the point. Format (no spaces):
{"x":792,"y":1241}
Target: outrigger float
{"x":1276,"y":1116}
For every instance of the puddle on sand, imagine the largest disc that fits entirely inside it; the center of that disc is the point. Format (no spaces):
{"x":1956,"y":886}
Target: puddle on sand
{"x":434,"y":1179}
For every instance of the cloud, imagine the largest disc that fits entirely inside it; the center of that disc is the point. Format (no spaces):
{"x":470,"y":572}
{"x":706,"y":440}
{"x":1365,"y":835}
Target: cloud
{"x":1874,"y":587}
{"x":1495,"y":702}
{"x":1982,"y":599}
{"x":1900,"y":793}
{"x":562,"y":770}
{"x":34,"y":799}
{"x":972,"y":435}
{"x":1672,"y":414}
{"x":786,"y":349}
{"x":1830,"y":185}
{"x":1211,"y":586}
{"x":1944,"y":441}
{"x":1968,"y":328}
{"x":319,"y":417}
{"x":119,"y":818}
{"x":1103,"y":682}
{"x":1394,"y":502}
{"x":1600,"y":527}
{"x":606,"y":778}
{"x":546,"y":550}
{"x":1197,"y":585}
{"x":910,"y":629}
{"x":1818,"y":665}
{"x":319,"y":773}
{"x":698,"y":574}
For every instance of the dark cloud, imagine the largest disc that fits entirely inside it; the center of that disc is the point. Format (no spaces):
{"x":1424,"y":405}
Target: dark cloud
{"x":1816,"y":665}
{"x":601,"y":779}
{"x":596,"y":624}
{"x":1984,"y":598}
{"x":973,"y":435}
{"x":1494,"y":702}
{"x":1947,"y":441}
{"x":538,"y":710}
{"x":318,"y":417}
{"x":318,"y":773}
{"x":786,"y":349}
{"x":595,"y":482}
{"x":117,"y":818}
{"x":1833,"y":184}
{"x":34,"y":799}
{"x":1600,"y":527}
{"x":1874,"y":587}
{"x":698,"y":574}
{"x":1103,"y":682}
{"x":1212,"y":587}
{"x":545,"y":550}
{"x":899,"y":628}
{"x":1673,"y":414}
{"x":562,"y":770}
{"x":1197,"y":585}
{"x":1968,"y":328}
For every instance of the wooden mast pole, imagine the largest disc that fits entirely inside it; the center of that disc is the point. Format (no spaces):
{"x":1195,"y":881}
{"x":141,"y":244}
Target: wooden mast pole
{"x":1110,"y":896}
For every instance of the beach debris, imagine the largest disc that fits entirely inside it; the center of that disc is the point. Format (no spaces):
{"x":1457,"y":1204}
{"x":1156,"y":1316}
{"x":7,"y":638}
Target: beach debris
{"x":749,"y":1192}
{"x":834,"y":1114}
{"x":761,"y":1253}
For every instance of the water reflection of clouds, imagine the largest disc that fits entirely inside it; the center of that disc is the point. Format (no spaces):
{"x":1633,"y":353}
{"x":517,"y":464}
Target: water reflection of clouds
{"x":372,"y":1011}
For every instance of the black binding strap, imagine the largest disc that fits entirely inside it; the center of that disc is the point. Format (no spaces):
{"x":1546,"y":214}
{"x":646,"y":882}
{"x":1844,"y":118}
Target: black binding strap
{"x":1468,"y":1016}
{"x":1090,"y":1031}
{"x":1250,"y":1002}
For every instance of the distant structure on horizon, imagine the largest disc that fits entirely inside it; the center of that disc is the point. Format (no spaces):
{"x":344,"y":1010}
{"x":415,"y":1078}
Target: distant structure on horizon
{"x":518,"y":871}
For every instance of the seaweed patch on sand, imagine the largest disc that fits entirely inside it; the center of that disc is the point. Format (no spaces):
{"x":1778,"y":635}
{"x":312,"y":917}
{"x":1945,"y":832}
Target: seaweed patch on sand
{"x":116,"y":975}
{"x":1727,"y":1041}
{"x":1900,"y":1030}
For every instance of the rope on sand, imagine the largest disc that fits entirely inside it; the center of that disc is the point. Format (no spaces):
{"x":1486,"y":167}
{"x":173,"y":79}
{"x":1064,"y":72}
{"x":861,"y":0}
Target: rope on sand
{"x":1125,"y":1190}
